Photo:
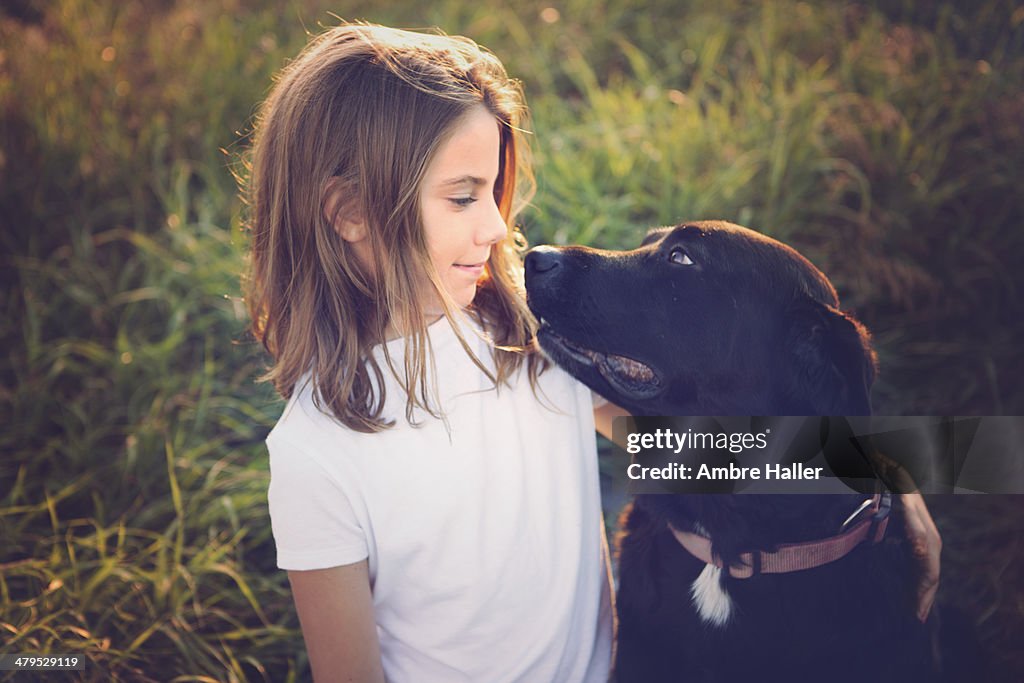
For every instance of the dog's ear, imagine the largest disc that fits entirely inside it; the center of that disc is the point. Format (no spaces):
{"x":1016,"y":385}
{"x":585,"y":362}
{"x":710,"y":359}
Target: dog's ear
{"x":833,"y":364}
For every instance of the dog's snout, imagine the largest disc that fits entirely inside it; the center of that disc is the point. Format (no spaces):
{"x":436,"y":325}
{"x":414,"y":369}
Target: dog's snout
{"x":541,"y":260}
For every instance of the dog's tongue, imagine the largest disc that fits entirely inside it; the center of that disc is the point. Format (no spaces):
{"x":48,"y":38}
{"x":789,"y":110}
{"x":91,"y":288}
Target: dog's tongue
{"x":629,"y":374}
{"x":626,"y":368}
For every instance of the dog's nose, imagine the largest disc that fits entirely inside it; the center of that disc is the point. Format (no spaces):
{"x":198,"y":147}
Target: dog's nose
{"x":542,"y":260}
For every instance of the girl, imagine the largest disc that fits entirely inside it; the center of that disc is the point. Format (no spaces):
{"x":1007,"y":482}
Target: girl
{"x":437,"y":521}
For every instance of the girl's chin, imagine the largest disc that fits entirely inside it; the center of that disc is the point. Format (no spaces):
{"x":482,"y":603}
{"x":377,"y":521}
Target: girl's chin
{"x":462,"y":297}
{"x":462,"y":293}
{"x":464,"y":300}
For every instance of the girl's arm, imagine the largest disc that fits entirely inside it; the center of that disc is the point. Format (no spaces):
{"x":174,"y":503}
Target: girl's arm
{"x":603,"y":416}
{"x":336,"y":612}
{"x":926,"y":546}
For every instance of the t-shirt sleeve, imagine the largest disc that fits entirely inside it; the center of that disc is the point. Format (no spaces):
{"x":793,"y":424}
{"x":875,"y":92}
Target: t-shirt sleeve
{"x":312,"y":518}
{"x":597,"y":399}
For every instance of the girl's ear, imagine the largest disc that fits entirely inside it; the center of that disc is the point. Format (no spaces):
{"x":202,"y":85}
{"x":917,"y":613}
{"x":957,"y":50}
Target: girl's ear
{"x":342,"y":210}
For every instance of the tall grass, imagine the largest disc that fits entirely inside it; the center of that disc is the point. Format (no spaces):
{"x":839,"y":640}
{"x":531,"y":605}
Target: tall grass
{"x":882,"y":140}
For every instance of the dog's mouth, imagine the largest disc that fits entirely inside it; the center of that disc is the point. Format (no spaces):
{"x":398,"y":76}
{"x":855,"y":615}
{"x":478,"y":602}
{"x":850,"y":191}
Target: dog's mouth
{"x":627,"y":375}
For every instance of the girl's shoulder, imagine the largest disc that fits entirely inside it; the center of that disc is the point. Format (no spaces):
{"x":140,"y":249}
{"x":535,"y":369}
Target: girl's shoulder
{"x":306,"y":418}
{"x":460,"y":386}
{"x":302,"y":420}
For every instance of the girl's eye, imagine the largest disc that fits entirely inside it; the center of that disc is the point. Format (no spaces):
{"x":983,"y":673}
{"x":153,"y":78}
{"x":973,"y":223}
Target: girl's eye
{"x":680,"y":257}
{"x":462,"y":202}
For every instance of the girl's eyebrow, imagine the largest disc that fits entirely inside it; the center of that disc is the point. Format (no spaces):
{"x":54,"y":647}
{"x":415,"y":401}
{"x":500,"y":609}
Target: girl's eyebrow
{"x":464,"y":179}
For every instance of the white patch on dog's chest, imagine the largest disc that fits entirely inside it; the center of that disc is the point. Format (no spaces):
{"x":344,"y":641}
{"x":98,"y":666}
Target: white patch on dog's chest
{"x":713,"y":604}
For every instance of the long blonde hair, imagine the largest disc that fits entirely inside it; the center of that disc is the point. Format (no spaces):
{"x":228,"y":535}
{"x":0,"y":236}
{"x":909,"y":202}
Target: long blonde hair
{"x":368,"y":107}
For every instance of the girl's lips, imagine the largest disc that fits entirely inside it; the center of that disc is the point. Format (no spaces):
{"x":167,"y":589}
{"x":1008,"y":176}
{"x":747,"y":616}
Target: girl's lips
{"x":476,"y":269}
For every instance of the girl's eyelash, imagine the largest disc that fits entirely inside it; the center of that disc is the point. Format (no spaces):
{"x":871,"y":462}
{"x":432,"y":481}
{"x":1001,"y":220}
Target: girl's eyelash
{"x":462,"y":202}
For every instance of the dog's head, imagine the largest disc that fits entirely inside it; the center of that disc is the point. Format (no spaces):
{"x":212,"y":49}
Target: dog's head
{"x":705,"y":318}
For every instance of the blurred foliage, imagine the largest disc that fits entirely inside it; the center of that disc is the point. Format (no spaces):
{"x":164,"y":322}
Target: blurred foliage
{"x":883,"y":139}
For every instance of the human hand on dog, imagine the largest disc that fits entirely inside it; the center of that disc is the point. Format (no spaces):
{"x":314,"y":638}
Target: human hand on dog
{"x":926,"y":546}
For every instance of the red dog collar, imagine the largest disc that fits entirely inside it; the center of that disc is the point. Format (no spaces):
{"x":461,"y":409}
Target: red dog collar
{"x":793,"y":557}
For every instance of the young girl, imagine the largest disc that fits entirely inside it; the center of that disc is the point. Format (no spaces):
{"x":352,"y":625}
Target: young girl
{"x":434,"y":490}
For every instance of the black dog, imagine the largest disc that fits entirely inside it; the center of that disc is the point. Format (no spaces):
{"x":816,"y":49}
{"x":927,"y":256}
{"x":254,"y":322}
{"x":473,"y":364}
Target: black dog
{"x":710,"y":318}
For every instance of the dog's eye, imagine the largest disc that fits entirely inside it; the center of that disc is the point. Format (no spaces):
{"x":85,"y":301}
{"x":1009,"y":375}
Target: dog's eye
{"x":680,"y":257}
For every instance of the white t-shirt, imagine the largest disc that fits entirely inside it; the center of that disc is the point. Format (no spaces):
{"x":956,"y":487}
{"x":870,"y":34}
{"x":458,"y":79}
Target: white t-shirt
{"x":486,"y":548}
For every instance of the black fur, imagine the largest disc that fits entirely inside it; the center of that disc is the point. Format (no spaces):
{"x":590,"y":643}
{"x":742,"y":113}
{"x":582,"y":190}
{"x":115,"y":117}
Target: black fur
{"x":729,"y":322}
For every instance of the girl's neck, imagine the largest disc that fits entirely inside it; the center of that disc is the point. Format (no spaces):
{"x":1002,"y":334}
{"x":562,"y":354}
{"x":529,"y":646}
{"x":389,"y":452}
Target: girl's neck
{"x":393,"y":332}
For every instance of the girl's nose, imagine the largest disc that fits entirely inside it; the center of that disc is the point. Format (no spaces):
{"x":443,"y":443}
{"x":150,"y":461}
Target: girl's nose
{"x":492,"y":228}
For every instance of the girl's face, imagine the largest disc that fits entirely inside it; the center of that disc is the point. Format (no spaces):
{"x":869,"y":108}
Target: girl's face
{"x":461,"y":220}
